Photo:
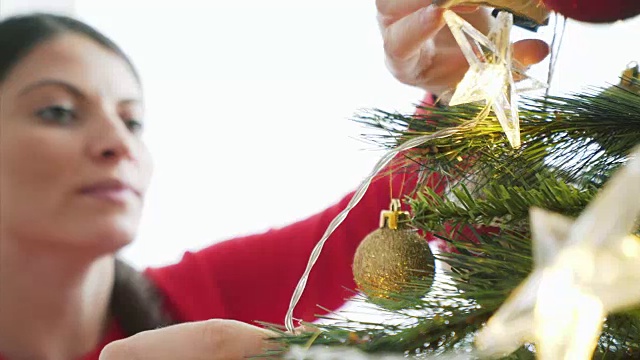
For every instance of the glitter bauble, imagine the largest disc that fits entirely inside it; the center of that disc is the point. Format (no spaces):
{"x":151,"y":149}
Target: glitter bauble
{"x":394,"y":268}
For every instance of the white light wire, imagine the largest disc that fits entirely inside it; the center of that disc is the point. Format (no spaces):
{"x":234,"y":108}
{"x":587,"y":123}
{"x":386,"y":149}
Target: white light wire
{"x":386,"y":158}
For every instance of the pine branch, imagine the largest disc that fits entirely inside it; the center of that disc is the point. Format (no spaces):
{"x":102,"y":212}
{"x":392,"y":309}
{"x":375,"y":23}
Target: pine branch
{"x":484,"y":274}
{"x":497,"y":203}
{"x":585,"y":136}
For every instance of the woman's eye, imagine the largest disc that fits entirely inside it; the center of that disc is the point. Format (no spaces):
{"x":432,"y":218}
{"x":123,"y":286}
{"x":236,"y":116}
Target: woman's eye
{"x":57,"y":114}
{"x":134,"y":126}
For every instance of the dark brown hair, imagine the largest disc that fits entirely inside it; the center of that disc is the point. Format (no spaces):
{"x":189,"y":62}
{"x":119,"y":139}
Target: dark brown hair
{"x":135,"y":302}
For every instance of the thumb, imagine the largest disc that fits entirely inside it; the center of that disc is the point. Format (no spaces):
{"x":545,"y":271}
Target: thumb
{"x":530,"y":52}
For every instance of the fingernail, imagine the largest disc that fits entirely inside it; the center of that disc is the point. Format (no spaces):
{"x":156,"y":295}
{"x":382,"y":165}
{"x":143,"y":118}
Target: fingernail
{"x":431,"y":14}
{"x":441,"y":3}
{"x":465,"y":9}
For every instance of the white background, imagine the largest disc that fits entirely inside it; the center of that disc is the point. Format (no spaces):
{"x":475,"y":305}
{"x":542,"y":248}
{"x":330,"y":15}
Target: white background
{"x":248,"y":104}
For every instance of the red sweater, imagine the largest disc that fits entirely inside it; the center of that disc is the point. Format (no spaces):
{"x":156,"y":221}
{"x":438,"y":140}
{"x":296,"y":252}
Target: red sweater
{"x":253,"y":277}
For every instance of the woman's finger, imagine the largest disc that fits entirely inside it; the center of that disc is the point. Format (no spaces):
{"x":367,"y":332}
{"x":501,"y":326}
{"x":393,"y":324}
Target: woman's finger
{"x":404,"y":38}
{"x":390,"y":11}
{"x":213,"y":339}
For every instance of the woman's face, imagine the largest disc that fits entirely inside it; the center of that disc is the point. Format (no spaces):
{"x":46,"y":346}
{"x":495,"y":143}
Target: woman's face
{"x":73,"y":169}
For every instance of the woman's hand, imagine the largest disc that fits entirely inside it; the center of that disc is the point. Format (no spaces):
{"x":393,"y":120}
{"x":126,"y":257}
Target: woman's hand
{"x":210,"y":340}
{"x":421,"y":51}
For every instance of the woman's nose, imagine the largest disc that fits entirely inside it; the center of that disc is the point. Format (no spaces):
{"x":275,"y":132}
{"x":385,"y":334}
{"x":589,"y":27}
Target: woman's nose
{"x":112,"y":140}
{"x":109,"y":153}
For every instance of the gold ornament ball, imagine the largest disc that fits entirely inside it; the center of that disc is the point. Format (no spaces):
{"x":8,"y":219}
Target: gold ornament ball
{"x":389,"y":262}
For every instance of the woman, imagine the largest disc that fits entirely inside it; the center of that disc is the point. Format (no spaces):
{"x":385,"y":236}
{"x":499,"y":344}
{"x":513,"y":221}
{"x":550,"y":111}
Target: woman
{"x":73,"y":175}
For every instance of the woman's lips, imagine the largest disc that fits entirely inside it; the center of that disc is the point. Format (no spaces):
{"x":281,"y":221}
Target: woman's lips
{"x":112,"y":190}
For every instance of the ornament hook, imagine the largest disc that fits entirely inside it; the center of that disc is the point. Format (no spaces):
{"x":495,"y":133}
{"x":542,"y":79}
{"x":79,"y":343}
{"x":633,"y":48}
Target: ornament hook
{"x":630,"y":78}
{"x":391,"y":218}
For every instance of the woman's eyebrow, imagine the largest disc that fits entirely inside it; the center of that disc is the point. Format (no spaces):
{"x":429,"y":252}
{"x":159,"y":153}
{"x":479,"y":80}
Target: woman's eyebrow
{"x":130,"y":101}
{"x":74,"y":90}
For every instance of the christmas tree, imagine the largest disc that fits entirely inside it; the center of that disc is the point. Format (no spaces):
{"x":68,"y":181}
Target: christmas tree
{"x":540,"y":213}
